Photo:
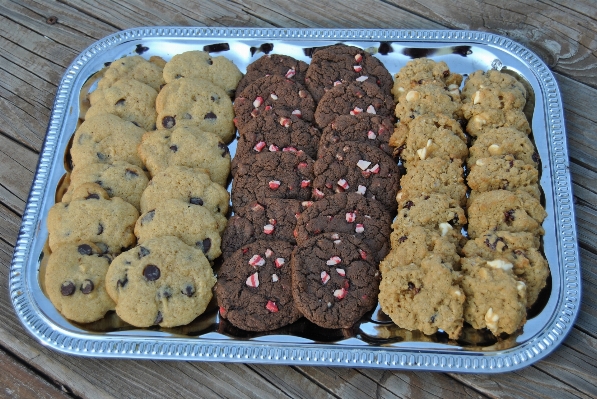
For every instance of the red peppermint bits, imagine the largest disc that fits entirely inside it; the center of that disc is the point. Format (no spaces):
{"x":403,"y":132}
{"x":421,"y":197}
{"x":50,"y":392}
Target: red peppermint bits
{"x":268,"y":253}
{"x":356,"y":111}
{"x":318,"y":193}
{"x":341,"y":272}
{"x":222,"y":311}
{"x":259,"y":146}
{"x":302,"y":165}
{"x":275,"y":278}
{"x":307,"y":204}
{"x":363,"y":254}
{"x":362,"y":164}
{"x":271,"y":306}
{"x":340,"y":294}
{"x":371,"y":135}
{"x":325,"y":277}
{"x":258,"y":101}
{"x":305,"y":183}
{"x":303,"y":94}
{"x":273,"y":96}
{"x":342,"y":183}
{"x":279,"y":262}
{"x":360,"y":228}
{"x":351,"y":217}
{"x":371,"y":110}
{"x":357,"y":68}
{"x":361,"y":190}
{"x":289,"y":149}
{"x":285,"y":122}
{"x":268,"y":107}
{"x":256,"y":260}
{"x":290,"y":73}
{"x":297,"y":113}
{"x":257,"y":207}
{"x":255,"y":113}
{"x":337,"y":82}
{"x":253,"y":280}
{"x":362,"y":78}
{"x":273,"y":148}
{"x":274,"y":184}
{"x":358,"y":58}
{"x":268,"y":229}
{"x":334,"y":260}
{"x":374,"y":169}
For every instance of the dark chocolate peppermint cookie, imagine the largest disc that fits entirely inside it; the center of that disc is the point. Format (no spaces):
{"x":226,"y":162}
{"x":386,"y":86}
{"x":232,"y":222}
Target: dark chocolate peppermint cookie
{"x":353,"y":99}
{"x":277,"y":95}
{"x":269,"y":219}
{"x":335,"y":281}
{"x":345,"y":64}
{"x":286,"y":175}
{"x":254,"y":287}
{"x":273,"y":64}
{"x":357,"y":167}
{"x":265,"y":133}
{"x":348,"y":213}
{"x":370,"y":129}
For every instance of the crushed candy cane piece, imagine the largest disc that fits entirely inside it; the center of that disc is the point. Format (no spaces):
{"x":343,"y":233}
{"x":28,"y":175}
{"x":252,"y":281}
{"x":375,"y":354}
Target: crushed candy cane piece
{"x":268,"y":229}
{"x":259,"y":146}
{"x":371,"y":110}
{"x":307,"y":204}
{"x":297,"y":113}
{"x":273,"y":96}
{"x":268,"y":253}
{"x":361,"y":190}
{"x":289,"y":149}
{"x":371,"y":135}
{"x":357,"y":68}
{"x":374,"y":169}
{"x":257,"y":207}
{"x":285,"y":122}
{"x":341,"y":272}
{"x":325,"y":277}
{"x":253,"y":280}
{"x":363,"y":254}
{"x":340,"y":294}
{"x":273,"y":148}
{"x":279,"y":262}
{"x":358,"y":58}
{"x":274,"y":184}
{"x":271,"y":306}
{"x":351,"y":217}
{"x":342,"y":183}
{"x":356,"y":111}
{"x":305,"y":183}
{"x":258,"y":101}
{"x":363,"y":164}
{"x":360,"y":228}
{"x":362,"y":78}
{"x":334,"y":260}
{"x":337,"y":82}
{"x":256,"y":260}
{"x":318,"y":193}
{"x":275,"y":278}
{"x":290,"y":73}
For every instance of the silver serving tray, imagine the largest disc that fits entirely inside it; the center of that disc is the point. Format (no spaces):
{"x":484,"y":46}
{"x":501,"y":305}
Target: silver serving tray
{"x":375,"y":342}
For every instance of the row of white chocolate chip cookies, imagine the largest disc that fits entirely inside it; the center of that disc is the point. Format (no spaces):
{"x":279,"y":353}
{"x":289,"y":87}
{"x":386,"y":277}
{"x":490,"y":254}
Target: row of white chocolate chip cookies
{"x":503,"y":268}
{"x":345,"y":232}
{"x":419,"y":288}
{"x":96,"y":216}
{"x":272,"y":173}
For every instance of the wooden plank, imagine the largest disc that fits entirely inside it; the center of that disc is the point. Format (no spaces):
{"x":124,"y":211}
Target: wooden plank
{"x":562,"y":35}
{"x":17,"y":381}
{"x":18,"y":165}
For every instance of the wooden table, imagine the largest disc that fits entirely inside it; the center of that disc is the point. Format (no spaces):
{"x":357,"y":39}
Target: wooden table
{"x":39,"y":39}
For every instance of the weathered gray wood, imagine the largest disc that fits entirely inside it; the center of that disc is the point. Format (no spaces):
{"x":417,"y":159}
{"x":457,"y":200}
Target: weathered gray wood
{"x":563,"y":34}
{"x":17,"y":381}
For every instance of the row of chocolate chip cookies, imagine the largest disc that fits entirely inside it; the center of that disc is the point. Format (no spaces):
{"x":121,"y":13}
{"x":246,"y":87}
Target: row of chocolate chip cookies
{"x":183,"y":210}
{"x":503,"y":268}
{"x":419,"y":288}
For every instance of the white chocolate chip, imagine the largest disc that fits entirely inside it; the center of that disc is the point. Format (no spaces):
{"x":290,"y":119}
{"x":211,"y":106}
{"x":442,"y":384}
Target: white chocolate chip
{"x":412,"y":95}
{"x":477,"y":97}
{"x":494,"y":149}
{"x":478,"y":120}
{"x":445,"y":228}
{"x":480,"y":162}
{"x":491,"y":319}
{"x":422,"y":153}
{"x":457,"y":293}
{"x":401,"y":90}
{"x":500,"y":264}
{"x":521,"y":286}
{"x":453,"y":87}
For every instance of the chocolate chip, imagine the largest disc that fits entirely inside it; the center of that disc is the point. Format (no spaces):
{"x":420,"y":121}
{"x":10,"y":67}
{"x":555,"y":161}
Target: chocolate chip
{"x":100,"y":229}
{"x":214,"y":97}
{"x":140,"y":49}
{"x":107,"y":64}
{"x":92,"y":196}
{"x":174,"y":148}
{"x":130,"y":174}
{"x":408,"y":204}
{"x":411,"y":285}
{"x":87,"y":287}
{"x":196,"y":201}
{"x":143,"y":252}
{"x":158,"y":318}
{"x":101,"y":156}
{"x":455,"y":220}
{"x":85,"y":249}
{"x":432,"y":319}
{"x":67,"y":288}
{"x":135,"y":123}
{"x":402,"y":239}
{"x":151,"y":272}
{"x":509,"y":216}
{"x":210,"y":115}
{"x":103,"y":247}
{"x":122,"y":283}
{"x":214,"y":48}
{"x":446,"y":73}
{"x":188,"y":290}
{"x":107,"y":257}
{"x":536,"y":157}
{"x":168,"y":122}
{"x":187,"y":116}
{"x":385,"y":48}
{"x":204,"y":245}
{"x":148,"y":217}
{"x":120,"y":102}
{"x":51,"y":20}
{"x":224,"y":148}
{"x":209,"y":61}
{"x":165,"y":293}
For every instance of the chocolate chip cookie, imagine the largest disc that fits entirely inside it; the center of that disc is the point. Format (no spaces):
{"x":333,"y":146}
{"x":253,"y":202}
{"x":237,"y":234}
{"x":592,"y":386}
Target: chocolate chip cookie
{"x":162,"y":282}
{"x":133,"y":67}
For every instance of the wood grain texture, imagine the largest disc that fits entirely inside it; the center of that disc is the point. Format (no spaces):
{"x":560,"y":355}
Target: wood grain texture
{"x":35,"y":54}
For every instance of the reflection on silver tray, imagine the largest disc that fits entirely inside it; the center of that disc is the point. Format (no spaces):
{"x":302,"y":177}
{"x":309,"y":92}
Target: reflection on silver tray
{"x":375,"y":341}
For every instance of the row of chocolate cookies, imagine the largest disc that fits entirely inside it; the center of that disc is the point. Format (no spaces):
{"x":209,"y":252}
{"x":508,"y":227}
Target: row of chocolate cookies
{"x":503,"y":268}
{"x":272,"y":174}
{"x":127,"y":92}
{"x":419,"y":288}
{"x":342,"y":236}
